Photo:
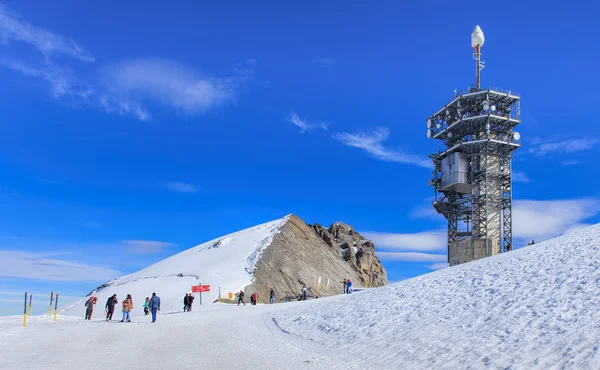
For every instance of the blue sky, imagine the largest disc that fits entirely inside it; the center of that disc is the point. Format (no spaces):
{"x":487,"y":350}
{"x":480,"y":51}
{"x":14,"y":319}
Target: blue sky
{"x":129,"y":132}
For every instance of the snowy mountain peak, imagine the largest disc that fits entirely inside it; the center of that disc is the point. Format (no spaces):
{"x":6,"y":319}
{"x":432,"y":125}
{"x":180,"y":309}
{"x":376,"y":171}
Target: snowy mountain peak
{"x":227,"y":263}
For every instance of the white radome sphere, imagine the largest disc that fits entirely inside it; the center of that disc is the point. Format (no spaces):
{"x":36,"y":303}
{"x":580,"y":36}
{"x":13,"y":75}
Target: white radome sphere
{"x":477,"y":38}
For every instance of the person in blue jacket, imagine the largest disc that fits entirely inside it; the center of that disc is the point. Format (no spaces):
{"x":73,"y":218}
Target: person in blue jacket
{"x":154,"y":305}
{"x":348,"y":287}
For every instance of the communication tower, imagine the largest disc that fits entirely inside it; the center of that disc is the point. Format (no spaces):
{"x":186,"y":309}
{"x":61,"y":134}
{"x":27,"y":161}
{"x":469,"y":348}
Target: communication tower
{"x":472,"y":179}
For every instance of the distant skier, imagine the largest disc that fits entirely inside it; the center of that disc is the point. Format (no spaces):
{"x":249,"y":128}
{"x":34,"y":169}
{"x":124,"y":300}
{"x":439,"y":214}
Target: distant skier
{"x":345,"y":282}
{"x":127,"y":307}
{"x":255,"y":298}
{"x":90,"y":307}
{"x":348,"y":287}
{"x":241,"y":297}
{"x":110,"y":306}
{"x":147,"y":306}
{"x":190,"y":301}
{"x":304,"y":293}
{"x":532,"y":242}
{"x":154,"y":306}
{"x":272,"y":296}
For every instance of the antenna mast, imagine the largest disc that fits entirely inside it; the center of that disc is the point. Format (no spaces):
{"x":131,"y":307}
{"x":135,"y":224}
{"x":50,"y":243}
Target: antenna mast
{"x":477,"y":40}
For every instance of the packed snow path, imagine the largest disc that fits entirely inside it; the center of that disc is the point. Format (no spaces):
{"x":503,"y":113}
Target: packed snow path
{"x":215,"y":336}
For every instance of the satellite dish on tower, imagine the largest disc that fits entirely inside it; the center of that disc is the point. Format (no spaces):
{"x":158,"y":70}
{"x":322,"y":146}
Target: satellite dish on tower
{"x":429,"y":123}
{"x":516,"y":135}
{"x":477,"y":38}
{"x":429,"y":133}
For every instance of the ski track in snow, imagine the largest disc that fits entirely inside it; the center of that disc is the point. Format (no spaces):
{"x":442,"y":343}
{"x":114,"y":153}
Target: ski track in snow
{"x":533,"y":308}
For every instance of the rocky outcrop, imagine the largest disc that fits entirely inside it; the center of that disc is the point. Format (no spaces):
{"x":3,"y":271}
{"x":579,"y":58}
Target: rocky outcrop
{"x":300,"y":254}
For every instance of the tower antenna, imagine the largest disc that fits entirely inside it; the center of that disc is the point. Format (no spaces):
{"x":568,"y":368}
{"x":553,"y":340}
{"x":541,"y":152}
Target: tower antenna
{"x":477,"y":40}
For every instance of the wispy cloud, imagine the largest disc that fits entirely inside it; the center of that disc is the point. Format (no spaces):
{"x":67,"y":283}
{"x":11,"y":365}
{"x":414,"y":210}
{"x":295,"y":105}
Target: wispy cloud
{"x":564,"y":146}
{"x":570,"y":163}
{"x":412,"y":256}
{"x":372,"y":143}
{"x":146,"y":246}
{"x":168,"y":83}
{"x":181,"y":187}
{"x":438,"y":266}
{"x":327,"y":61}
{"x":14,"y":28}
{"x":425,"y":241}
{"x":124,"y":87}
{"x":544,"y":219}
{"x":40,"y":266}
{"x":303,"y":124}
{"x":520,"y":177}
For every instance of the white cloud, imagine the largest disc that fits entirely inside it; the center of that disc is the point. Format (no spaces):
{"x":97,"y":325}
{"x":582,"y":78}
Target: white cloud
{"x":303,"y":124}
{"x":13,"y":28}
{"x":168,"y":83}
{"x":564,"y":146}
{"x":520,"y":177}
{"x":181,"y":187}
{"x":412,"y":256}
{"x":372,"y":143}
{"x":146,"y":246}
{"x":425,"y":241}
{"x":544,"y":219}
{"x":39,"y":266}
{"x":570,"y":163}
{"x":438,"y":266}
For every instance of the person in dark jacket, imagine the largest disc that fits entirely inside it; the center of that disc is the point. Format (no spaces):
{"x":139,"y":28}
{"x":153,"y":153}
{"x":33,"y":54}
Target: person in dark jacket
{"x":154,"y":306}
{"x":110,"y":306}
{"x":241,"y":297}
{"x":272,"y":296}
{"x":185,"y":302}
{"x":190,"y":301}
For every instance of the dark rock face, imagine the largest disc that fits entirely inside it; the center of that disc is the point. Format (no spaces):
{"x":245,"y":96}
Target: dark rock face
{"x":301,"y":254}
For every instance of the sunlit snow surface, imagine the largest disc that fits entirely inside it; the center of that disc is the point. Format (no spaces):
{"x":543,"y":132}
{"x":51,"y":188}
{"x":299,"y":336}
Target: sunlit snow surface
{"x":534,"y":308}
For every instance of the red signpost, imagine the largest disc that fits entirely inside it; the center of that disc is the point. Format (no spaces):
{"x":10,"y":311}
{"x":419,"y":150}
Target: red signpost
{"x":200,"y":289}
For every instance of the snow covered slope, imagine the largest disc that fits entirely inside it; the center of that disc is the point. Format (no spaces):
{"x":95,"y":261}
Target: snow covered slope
{"x":534,"y":308}
{"x":227,"y":262}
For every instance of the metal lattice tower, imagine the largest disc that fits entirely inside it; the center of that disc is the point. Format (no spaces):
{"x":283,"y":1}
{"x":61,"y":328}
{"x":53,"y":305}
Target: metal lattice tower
{"x":472,"y":179}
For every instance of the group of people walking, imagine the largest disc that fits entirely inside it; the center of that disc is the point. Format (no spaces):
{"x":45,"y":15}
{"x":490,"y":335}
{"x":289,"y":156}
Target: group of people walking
{"x":151,"y":305}
{"x":254,"y":297}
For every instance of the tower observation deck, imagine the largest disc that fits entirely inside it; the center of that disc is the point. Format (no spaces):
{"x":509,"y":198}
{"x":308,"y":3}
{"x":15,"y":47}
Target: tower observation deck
{"x":472,"y":177}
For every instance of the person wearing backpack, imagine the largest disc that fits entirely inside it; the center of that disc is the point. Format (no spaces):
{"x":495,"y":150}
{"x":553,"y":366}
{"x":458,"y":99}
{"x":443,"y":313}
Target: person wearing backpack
{"x":110,"y":306}
{"x":127,"y":307}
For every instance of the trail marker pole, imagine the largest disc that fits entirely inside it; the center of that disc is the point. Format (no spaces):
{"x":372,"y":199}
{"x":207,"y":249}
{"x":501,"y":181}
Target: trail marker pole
{"x":30,"y":298}
{"x":200,"y":294}
{"x":55,"y":306}
{"x":327,"y":284}
{"x":51,"y":299}
{"x":25,"y":312}
{"x":318,"y":286}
